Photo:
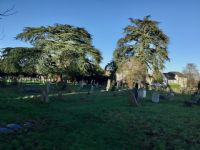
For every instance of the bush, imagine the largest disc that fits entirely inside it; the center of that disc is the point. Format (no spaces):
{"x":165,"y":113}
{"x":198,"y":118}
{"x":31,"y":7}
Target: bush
{"x":175,"y":87}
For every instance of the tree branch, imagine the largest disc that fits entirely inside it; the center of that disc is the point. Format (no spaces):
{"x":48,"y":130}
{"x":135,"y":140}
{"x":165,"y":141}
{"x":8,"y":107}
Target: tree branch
{"x":8,"y":12}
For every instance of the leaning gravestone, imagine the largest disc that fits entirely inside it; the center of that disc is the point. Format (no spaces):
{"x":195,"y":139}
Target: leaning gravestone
{"x":132,"y":99}
{"x":155,"y":97}
{"x":140,"y":93}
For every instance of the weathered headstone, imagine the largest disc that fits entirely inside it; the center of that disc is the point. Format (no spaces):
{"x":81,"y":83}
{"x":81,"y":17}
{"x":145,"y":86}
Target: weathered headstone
{"x":155,"y":97}
{"x":97,"y":84}
{"x":144,"y":93}
{"x":92,"y":89}
{"x":82,"y":84}
{"x":132,"y":99}
{"x":141,"y":93}
{"x":45,"y":97}
{"x":28,"y":124}
{"x":14,"y":126}
{"x":170,"y":95}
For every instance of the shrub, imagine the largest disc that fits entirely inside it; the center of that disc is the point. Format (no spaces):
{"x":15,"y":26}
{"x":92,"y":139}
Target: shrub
{"x":175,"y":87}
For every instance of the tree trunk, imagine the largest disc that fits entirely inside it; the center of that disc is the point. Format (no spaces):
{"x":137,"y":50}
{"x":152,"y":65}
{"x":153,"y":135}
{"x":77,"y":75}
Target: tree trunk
{"x":59,"y":78}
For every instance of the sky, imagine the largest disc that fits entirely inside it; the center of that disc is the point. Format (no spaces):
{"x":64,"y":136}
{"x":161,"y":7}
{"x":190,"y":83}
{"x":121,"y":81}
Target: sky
{"x":105,"y":20}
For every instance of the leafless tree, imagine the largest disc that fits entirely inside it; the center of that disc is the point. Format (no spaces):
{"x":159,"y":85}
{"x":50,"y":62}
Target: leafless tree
{"x":133,"y":72}
{"x":7,"y":12}
{"x":192,"y":74}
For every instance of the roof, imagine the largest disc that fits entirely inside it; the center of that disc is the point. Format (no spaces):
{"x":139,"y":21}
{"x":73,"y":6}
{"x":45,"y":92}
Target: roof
{"x":171,"y":75}
{"x":179,"y":74}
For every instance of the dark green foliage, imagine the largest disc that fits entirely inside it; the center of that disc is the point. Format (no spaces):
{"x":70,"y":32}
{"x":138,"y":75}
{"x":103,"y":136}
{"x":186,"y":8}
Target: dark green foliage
{"x":19,"y":60}
{"x":157,"y":76}
{"x":65,"y":49}
{"x":145,"y":41}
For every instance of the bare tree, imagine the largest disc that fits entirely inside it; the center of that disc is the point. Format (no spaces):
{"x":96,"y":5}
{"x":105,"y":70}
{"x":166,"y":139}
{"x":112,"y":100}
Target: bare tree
{"x":192,"y":74}
{"x":133,"y":72}
{"x":7,"y":12}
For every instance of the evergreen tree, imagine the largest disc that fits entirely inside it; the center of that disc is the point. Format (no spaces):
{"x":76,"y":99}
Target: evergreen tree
{"x":65,"y":49}
{"x":145,"y":41}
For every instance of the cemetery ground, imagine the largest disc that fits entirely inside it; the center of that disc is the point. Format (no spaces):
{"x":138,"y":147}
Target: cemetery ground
{"x":99,"y":120}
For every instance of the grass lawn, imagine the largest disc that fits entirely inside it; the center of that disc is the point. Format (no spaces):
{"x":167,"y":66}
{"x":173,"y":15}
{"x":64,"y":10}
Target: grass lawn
{"x":102,"y":121}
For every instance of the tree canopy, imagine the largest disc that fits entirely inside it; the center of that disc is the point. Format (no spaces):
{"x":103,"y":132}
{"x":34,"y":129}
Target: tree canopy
{"x":144,"y":41}
{"x":65,"y":49}
{"x":19,"y":60}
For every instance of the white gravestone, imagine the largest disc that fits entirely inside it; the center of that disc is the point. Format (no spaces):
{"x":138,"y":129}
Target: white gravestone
{"x":155,"y":97}
{"x":142,"y":93}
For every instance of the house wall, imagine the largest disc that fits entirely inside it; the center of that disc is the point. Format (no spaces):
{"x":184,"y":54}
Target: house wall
{"x":172,"y":82}
{"x":182,"y":81}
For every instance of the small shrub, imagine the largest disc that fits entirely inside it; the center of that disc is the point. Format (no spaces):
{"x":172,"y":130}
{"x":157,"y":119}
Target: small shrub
{"x":175,"y":87}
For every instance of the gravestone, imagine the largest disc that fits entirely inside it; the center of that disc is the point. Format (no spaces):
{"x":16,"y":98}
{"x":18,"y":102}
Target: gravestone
{"x":14,"y":126}
{"x":141,"y":93}
{"x":28,"y":124}
{"x":92,"y":89}
{"x":170,"y":95}
{"x":82,"y":84}
{"x":144,"y":93}
{"x":155,"y":97}
{"x":97,"y":84}
{"x":45,"y":97}
{"x":132,"y":99}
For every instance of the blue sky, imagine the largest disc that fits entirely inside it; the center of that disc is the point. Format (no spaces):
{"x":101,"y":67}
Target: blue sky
{"x":105,"y":20}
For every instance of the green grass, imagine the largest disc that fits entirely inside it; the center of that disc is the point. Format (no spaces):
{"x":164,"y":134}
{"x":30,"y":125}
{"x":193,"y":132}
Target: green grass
{"x":102,"y":121}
